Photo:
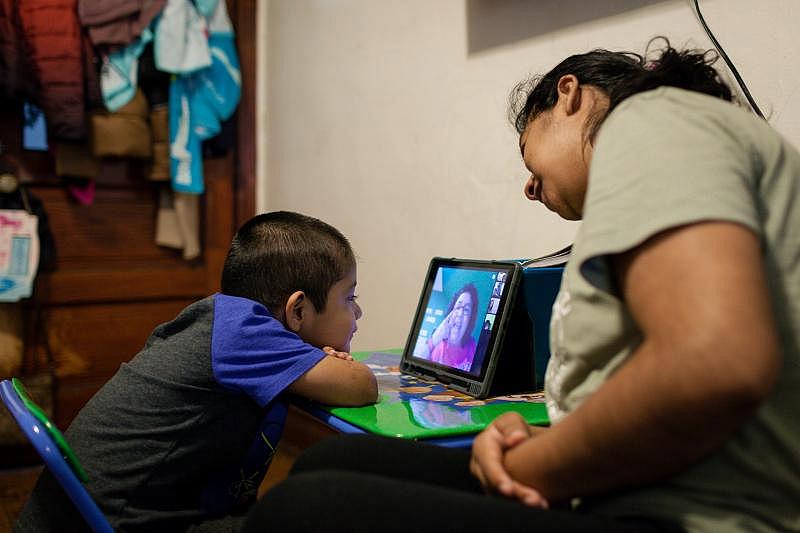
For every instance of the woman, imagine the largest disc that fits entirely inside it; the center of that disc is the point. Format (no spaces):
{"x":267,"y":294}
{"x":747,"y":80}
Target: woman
{"x":451,"y":343}
{"x":673,"y":381}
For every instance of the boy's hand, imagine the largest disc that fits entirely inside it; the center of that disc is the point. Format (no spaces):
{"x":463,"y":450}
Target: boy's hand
{"x":335,"y":353}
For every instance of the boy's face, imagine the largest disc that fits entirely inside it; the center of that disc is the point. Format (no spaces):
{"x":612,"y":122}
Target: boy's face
{"x":336,"y":325}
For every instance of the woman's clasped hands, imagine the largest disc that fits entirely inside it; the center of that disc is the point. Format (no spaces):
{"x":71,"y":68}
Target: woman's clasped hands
{"x":488,"y":453}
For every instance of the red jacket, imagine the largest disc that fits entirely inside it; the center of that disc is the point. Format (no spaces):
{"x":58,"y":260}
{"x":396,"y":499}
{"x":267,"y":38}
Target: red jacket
{"x":53,"y":36}
{"x":16,"y":80}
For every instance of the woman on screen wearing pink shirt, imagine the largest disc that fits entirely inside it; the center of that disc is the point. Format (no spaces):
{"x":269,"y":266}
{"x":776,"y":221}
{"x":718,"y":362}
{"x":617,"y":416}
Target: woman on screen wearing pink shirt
{"x":451,"y":343}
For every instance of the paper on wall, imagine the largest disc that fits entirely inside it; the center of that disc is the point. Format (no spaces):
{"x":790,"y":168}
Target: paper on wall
{"x":19,"y":254}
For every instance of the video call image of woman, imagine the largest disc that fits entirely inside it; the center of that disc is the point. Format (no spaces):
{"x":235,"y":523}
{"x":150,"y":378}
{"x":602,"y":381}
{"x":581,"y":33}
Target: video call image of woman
{"x":452,"y":343}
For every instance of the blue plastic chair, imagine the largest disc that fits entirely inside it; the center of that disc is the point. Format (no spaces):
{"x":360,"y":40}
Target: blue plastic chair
{"x":45,"y":438}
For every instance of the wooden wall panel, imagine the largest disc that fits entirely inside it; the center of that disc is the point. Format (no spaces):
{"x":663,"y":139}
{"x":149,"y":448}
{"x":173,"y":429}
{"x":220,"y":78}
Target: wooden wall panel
{"x":135,"y":283}
{"x":89,"y":342}
{"x":95,"y":338}
{"x":112,"y":284}
{"x":243,"y":12}
{"x":218,"y":229}
{"x":117,"y":228}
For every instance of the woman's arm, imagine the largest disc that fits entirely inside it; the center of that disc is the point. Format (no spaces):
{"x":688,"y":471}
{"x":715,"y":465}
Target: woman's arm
{"x":710,"y":356}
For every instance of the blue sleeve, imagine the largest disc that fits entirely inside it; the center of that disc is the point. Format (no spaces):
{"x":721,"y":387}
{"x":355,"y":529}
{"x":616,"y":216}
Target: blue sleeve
{"x":253,"y":352}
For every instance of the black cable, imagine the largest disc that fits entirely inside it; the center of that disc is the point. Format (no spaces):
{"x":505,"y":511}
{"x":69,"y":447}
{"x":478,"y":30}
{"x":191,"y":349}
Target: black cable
{"x":727,"y":61}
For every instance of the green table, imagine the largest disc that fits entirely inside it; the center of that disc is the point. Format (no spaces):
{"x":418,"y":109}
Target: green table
{"x":413,"y":408}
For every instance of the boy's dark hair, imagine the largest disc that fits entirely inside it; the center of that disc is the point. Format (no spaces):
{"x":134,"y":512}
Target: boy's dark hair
{"x":275,"y":254}
{"x":619,"y":75}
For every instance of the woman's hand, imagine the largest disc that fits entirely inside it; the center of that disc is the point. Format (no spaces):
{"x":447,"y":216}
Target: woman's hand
{"x":488,"y":451}
{"x":442,"y":331}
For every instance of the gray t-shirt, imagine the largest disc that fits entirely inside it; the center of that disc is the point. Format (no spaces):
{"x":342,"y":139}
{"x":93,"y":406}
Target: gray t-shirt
{"x":666,"y":158}
{"x":180,"y":437}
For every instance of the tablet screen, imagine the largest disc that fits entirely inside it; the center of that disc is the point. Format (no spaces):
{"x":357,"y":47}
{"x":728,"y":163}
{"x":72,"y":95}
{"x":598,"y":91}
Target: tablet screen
{"x":457,"y":318}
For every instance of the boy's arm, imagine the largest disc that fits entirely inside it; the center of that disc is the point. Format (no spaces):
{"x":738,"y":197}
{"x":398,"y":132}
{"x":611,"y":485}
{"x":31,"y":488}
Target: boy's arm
{"x":336,"y":381}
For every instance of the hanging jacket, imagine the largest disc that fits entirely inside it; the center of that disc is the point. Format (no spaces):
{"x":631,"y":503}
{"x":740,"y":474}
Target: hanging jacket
{"x":17,"y":82}
{"x":201,"y":100}
{"x":120,"y":72}
{"x":117,"y":22}
{"x":53,"y":35}
{"x":181,"y":39}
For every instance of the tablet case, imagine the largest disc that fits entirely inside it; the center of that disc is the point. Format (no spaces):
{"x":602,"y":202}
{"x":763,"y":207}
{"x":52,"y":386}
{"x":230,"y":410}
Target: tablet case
{"x":523,"y":359}
{"x":515,"y":374}
{"x":540,"y":286}
{"x":524,"y":350}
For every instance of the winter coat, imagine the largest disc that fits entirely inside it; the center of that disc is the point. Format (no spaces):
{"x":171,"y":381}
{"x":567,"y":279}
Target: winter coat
{"x":57,"y":58}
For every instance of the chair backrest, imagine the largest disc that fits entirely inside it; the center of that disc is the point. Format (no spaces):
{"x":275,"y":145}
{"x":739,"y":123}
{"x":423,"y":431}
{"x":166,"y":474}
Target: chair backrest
{"x":35,"y":427}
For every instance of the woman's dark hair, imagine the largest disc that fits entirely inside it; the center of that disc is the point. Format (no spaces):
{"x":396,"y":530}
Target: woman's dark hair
{"x":276,"y":254}
{"x":470,"y":289}
{"x":619,"y":75}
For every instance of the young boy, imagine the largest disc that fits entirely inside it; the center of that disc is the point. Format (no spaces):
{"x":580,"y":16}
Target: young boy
{"x":179,"y":439}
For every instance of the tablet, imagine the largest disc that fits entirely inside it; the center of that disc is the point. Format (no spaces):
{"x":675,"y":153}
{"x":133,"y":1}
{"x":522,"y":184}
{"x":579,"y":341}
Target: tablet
{"x":459,"y":332}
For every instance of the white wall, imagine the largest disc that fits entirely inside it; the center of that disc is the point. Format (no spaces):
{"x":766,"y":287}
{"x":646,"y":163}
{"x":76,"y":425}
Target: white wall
{"x":386,"y":118}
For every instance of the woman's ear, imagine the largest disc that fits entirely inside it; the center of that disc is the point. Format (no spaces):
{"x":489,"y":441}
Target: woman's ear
{"x":296,"y":310}
{"x":569,"y":93}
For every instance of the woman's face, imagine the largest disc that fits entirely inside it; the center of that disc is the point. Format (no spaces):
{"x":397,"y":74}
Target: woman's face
{"x":462,"y":312}
{"x":555,"y":152}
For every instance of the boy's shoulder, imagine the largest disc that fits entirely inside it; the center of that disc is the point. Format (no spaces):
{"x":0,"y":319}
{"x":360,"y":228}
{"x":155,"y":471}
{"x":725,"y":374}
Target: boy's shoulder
{"x":236,"y":312}
{"x":238,"y":321}
{"x":207,"y":309}
{"x":235,"y":302}
{"x":196,"y":312}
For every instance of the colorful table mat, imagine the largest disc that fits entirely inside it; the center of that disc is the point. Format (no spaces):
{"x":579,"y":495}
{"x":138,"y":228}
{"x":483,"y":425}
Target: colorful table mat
{"x":414,"y":408}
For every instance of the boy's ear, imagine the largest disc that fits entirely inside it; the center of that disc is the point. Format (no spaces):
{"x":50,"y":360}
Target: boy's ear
{"x":569,"y":93}
{"x":296,"y":310}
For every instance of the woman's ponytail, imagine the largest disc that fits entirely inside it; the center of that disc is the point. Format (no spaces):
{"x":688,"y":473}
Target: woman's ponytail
{"x":688,"y":69}
{"x":619,"y":75}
